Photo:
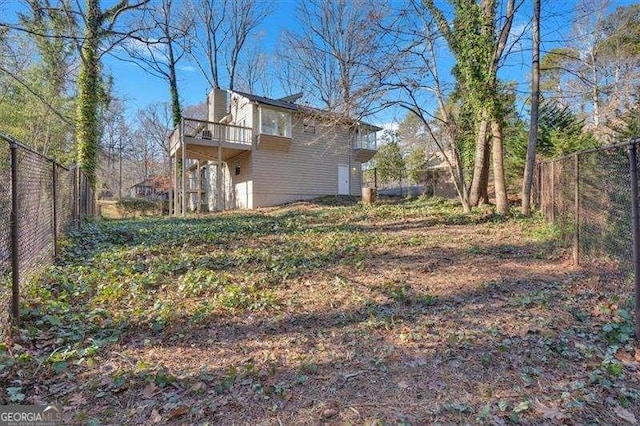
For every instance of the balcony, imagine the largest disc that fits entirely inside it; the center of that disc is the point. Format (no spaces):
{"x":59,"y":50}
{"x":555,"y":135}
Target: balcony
{"x":194,"y":144}
{"x":365,"y":147}
{"x":200,"y":137}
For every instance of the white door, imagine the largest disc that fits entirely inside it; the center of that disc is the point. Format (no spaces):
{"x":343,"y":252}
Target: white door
{"x":343,"y":179}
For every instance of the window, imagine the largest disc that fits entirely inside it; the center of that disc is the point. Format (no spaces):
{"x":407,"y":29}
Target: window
{"x":236,"y":167}
{"x":309,"y":128}
{"x":365,"y":139}
{"x":276,"y":123}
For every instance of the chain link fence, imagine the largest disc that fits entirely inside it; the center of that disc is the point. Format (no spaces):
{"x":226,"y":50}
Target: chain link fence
{"x":588,"y":196}
{"x":400,"y":183}
{"x":39,"y":201}
{"x":592,"y":196}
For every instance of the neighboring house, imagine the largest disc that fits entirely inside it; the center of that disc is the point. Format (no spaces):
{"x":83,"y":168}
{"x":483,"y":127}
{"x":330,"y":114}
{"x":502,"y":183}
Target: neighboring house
{"x":154,"y":188}
{"x":256,"y":152}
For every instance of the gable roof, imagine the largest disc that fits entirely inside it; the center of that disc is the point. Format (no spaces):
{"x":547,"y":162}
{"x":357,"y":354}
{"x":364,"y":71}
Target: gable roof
{"x":280,"y":103}
{"x":286,"y":104}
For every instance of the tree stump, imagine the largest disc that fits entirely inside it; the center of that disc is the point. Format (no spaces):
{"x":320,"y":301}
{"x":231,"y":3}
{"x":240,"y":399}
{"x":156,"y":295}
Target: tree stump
{"x":369,"y":195}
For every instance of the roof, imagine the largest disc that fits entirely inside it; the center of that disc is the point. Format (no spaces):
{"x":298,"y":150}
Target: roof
{"x":268,"y":101}
{"x":283,"y":103}
{"x":155,"y":181}
{"x":317,"y":111}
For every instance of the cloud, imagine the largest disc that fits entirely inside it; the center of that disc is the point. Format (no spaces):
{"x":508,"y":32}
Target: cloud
{"x":148,"y":51}
{"x":392,"y":125}
{"x":186,"y":68}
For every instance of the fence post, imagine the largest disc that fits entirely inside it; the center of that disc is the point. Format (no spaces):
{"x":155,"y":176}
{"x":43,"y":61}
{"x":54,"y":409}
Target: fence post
{"x":75,"y":197}
{"x":635,"y":222}
{"x":576,"y":203}
{"x":375,"y":178}
{"x":553,"y":192}
{"x":15,"y":229}
{"x":539,"y":187}
{"x":54,"y":191}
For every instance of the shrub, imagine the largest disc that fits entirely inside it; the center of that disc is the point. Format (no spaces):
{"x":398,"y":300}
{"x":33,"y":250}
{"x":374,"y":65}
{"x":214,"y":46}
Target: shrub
{"x":138,"y":206}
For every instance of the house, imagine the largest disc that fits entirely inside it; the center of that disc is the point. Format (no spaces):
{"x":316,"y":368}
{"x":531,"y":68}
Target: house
{"x":257,"y":152}
{"x":153,"y":188}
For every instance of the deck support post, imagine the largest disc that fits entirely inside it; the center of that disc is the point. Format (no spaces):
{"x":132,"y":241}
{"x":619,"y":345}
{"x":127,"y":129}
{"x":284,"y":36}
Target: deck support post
{"x":219,"y":180}
{"x":183,"y":145}
{"x":199,"y":187}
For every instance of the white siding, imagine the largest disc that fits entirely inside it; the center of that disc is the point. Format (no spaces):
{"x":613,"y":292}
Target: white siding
{"x":242,"y":110}
{"x":242,"y":183}
{"x":217,"y":104}
{"x":309,"y":169}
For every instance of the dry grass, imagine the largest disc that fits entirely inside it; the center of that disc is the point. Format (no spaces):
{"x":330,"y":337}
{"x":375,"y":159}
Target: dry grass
{"x":331,"y":312}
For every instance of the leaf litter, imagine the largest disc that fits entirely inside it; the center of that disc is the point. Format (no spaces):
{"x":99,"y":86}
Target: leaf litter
{"x":326,"y":311}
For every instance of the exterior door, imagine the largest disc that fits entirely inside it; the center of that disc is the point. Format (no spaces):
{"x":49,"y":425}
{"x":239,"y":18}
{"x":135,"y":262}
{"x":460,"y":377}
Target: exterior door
{"x":343,"y":179}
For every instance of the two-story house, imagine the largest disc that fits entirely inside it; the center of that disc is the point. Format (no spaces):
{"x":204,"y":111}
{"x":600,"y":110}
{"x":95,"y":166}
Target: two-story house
{"x":256,"y":152}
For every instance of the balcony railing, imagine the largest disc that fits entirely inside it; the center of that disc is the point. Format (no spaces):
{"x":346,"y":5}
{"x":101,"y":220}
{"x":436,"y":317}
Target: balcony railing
{"x":210,"y":131}
{"x":366,"y":141}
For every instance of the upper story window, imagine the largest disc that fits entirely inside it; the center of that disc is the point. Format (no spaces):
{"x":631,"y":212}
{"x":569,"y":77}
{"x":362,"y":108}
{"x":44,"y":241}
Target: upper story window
{"x":274,"y":122}
{"x":365,"y":139}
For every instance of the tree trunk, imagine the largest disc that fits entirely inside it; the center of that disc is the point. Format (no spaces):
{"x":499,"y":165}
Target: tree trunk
{"x":502,"y":204}
{"x":533,"y":124}
{"x":480,"y":161}
{"x":595,"y":97}
{"x":484,"y":178}
{"x":176,"y":110}
{"x":87,"y":102}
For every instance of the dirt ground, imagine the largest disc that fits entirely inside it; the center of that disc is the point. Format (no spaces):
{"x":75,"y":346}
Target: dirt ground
{"x":416,"y":317}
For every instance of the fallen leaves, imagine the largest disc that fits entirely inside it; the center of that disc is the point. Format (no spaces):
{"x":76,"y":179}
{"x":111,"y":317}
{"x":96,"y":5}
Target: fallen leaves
{"x":253,"y":317}
{"x":626,"y":415}
{"x":177,"y":412}
{"x":150,"y":391}
{"x":155,"y":417}
{"x":549,"y":412}
{"x":329,"y":413}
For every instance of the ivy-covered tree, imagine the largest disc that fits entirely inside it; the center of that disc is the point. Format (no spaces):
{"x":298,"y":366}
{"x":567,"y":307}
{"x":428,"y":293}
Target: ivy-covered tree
{"x":478,"y":44}
{"x":99,"y":25}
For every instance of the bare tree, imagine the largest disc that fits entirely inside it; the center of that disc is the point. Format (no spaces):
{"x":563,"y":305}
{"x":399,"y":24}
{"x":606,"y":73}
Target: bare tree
{"x":158,"y":49}
{"x":337,"y":55}
{"x":145,"y":154}
{"x":244,"y":18}
{"x":533,"y":125}
{"x":413,"y":37}
{"x":596,"y":72}
{"x":115,"y":148}
{"x":154,"y":123}
{"x":254,"y":70}
{"x":220,"y":34}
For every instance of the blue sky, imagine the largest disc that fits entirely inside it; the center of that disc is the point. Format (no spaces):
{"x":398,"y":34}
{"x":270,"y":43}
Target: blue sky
{"x":138,"y":89}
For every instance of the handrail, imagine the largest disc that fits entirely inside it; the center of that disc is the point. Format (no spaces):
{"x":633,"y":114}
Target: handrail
{"x":197,"y":120}
{"x":242,"y":135}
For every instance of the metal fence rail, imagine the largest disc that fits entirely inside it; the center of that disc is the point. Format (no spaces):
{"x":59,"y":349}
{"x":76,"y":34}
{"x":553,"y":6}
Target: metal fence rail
{"x":39,"y":201}
{"x":592,"y":197}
